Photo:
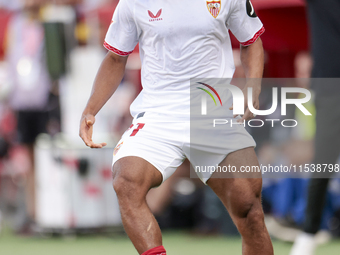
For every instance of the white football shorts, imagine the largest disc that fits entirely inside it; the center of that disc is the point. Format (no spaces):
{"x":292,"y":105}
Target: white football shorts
{"x":165,"y":143}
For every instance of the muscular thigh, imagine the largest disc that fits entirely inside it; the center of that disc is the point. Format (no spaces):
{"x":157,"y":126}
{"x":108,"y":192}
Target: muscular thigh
{"x":137,"y":170}
{"x":238,"y":192}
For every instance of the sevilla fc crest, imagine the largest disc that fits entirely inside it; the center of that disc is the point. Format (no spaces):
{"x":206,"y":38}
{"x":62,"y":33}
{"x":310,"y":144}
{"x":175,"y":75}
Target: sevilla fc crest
{"x":214,"y":7}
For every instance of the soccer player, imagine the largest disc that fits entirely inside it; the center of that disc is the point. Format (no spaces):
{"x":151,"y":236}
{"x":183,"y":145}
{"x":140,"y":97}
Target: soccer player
{"x":179,"y":40}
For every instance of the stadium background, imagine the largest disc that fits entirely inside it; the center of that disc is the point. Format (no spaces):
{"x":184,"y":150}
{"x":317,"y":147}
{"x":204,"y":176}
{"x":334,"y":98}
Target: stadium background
{"x":75,"y":209}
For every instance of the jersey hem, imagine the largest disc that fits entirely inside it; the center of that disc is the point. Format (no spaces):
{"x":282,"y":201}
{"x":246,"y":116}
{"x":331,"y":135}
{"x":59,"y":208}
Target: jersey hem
{"x":116,"y":51}
{"x":255,"y":37}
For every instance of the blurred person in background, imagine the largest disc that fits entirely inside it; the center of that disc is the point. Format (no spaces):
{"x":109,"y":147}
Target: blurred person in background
{"x":325,"y":31}
{"x":30,"y":84}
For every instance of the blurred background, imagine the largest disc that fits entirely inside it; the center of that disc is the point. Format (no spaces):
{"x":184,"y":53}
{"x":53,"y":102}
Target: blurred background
{"x":56,"y":194}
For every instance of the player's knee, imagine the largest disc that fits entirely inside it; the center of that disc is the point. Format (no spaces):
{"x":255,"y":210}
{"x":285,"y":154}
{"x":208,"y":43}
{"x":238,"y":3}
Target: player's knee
{"x":118,"y":185}
{"x":252,"y":216}
{"x":255,"y":216}
{"x":125,"y":187}
{"x":249,"y":207}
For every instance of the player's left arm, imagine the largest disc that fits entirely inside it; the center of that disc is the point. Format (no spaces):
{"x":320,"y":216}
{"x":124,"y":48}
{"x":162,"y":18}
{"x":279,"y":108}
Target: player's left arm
{"x":252,"y":59}
{"x":247,"y":28}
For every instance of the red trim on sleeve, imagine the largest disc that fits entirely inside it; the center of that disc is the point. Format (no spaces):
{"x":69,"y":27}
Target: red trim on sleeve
{"x":116,"y":51}
{"x":256,"y":36}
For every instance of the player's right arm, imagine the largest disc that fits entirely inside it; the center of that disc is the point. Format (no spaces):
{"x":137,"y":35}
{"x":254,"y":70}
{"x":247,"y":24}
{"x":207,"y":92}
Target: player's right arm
{"x":108,"y":78}
{"x":120,"y":40}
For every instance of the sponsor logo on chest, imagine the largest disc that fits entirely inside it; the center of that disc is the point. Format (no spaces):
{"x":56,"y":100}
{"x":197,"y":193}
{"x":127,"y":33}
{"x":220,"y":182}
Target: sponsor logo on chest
{"x":156,"y":17}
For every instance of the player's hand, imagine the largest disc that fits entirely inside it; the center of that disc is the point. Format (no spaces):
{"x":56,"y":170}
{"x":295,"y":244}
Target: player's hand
{"x":248,"y":115}
{"x":86,"y":130}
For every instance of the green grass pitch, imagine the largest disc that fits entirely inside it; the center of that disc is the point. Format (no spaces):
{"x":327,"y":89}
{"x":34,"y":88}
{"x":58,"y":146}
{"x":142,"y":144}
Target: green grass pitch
{"x":176,"y":243}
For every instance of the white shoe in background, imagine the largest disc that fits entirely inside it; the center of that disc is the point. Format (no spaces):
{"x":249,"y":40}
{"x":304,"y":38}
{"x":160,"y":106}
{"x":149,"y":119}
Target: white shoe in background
{"x":305,"y":244}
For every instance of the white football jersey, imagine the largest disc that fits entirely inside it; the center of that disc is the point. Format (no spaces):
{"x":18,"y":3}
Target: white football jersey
{"x":180,"y":40}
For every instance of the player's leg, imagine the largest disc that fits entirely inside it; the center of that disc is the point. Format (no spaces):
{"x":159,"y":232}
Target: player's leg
{"x":327,"y":149}
{"x":133,"y":177}
{"x":30,"y":125}
{"x":147,"y":154}
{"x":242,"y":198}
{"x":158,"y":199}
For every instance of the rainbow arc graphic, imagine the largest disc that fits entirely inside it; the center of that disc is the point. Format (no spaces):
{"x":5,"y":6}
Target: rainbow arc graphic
{"x":209,"y":93}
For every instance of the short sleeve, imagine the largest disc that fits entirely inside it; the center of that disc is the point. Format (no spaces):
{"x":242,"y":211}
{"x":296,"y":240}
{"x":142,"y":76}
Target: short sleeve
{"x":244,"y":23}
{"x":122,"y":36}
